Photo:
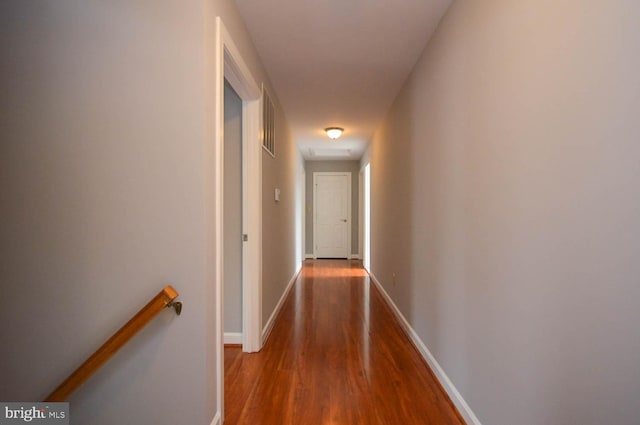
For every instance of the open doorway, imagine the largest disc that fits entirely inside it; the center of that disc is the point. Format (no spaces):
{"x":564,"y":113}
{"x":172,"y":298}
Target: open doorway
{"x":232,"y":274}
{"x":229,"y":67}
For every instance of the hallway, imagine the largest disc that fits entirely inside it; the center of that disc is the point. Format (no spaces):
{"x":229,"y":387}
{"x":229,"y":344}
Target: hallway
{"x":336,"y":355}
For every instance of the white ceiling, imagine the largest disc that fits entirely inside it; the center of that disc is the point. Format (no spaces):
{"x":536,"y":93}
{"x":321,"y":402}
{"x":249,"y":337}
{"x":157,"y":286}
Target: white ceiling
{"x":339,"y":62}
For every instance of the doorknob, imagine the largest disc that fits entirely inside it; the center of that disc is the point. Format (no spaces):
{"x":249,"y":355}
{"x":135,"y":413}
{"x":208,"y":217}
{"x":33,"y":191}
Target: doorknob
{"x":344,"y":219}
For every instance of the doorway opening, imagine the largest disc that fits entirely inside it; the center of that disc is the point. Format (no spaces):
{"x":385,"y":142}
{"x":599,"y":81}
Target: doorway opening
{"x":232,"y":274}
{"x":228,"y":65}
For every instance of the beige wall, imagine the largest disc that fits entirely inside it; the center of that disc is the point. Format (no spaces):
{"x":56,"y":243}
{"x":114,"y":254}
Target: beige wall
{"x":102,"y":205}
{"x":505,"y":198}
{"x":279,"y":219}
{"x":332,"y":166}
{"x":105,"y":164}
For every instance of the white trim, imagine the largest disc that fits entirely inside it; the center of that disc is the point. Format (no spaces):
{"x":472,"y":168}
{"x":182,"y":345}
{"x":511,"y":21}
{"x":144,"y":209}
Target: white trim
{"x":455,"y":396}
{"x":216,"y":419}
{"x":233,"y":337}
{"x":252,"y":226}
{"x":228,"y":63}
{"x":360,"y":212}
{"x":272,"y":319}
{"x":303,"y":178}
{"x":309,"y":256}
{"x":355,"y":256}
{"x":365,"y":248}
{"x":349,"y":176}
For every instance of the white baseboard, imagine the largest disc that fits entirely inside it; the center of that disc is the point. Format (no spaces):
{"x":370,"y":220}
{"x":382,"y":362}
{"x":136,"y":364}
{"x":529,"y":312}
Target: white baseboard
{"x":266,"y":331}
{"x":455,"y":396}
{"x":352,"y":256}
{"x":216,"y":419}
{"x":233,"y":337}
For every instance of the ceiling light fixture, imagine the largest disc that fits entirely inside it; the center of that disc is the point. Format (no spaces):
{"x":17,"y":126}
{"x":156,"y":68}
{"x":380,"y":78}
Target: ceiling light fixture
{"x":334,"y":132}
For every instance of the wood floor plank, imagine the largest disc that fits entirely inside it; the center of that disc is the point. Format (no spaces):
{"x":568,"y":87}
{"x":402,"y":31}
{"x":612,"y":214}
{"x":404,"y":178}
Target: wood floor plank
{"x":336,"y":355}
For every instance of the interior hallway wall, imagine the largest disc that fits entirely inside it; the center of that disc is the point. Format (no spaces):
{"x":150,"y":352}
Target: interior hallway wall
{"x":505,"y":198}
{"x":332,"y":166}
{"x":103,"y":130}
{"x":280,"y":219}
{"x":106,"y":168}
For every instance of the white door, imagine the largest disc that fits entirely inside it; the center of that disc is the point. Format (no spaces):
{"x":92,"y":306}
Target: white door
{"x":332,"y":215}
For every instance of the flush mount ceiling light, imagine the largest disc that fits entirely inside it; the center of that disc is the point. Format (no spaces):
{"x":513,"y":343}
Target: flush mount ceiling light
{"x":334,"y":132}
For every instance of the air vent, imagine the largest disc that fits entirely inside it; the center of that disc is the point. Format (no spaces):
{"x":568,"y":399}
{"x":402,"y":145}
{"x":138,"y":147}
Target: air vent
{"x":268,"y":124}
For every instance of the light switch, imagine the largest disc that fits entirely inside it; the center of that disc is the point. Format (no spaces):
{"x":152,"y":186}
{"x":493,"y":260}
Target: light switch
{"x":276,"y":194}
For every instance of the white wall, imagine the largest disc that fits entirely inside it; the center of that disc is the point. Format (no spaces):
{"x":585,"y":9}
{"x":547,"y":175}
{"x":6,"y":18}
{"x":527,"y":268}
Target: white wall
{"x":504,"y":191}
{"x":107,"y":129}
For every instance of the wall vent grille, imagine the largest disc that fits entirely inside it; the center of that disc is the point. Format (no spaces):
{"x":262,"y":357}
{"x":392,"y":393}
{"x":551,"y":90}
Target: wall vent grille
{"x":268,"y":124}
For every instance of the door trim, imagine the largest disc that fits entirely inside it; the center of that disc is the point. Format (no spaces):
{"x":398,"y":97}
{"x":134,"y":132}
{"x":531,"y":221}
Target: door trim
{"x":315,"y":206}
{"x":228,"y":63}
{"x":360,"y":213}
{"x":365,"y":224}
{"x":303,"y":201}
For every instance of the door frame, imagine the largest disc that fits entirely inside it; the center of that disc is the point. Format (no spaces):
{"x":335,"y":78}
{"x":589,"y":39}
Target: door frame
{"x":228,"y":63}
{"x":360,"y":214}
{"x":365,"y":224}
{"x":303,"y":217}
{"x":349,"y":176}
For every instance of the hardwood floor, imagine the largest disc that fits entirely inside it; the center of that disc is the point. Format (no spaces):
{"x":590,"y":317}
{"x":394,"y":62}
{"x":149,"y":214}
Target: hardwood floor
{"x":336,"y":355}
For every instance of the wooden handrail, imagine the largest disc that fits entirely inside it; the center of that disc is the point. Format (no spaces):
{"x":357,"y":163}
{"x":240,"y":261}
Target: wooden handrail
{"x":164,"y":299}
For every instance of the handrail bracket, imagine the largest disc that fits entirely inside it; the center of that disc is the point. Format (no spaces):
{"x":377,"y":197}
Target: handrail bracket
{"x":177,"y":305}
